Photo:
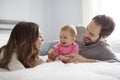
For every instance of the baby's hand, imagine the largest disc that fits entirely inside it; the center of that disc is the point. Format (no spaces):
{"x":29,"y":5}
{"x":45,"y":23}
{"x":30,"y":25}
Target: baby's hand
{"x":52,"y":54}
{"x":64,"y":59}
{"x":57,"y":59}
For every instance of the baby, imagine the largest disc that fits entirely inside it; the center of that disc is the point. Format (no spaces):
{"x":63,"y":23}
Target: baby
{"x":65,"y":46}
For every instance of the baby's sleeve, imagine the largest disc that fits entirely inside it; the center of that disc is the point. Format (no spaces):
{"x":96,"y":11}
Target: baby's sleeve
{"x":75,"y":49}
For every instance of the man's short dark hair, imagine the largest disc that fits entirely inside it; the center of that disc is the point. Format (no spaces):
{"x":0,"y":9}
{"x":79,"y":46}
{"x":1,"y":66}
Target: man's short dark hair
{"x":107,"y":24}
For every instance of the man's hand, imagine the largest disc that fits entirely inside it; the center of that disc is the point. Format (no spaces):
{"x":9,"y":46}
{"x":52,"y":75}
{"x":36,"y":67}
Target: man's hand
{"x":76,"y":58}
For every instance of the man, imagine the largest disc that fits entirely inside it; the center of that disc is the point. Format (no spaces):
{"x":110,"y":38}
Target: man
{"x":92,"y":41}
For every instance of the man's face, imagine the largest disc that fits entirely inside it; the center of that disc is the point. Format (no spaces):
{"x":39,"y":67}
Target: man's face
{"x":91,"y":35}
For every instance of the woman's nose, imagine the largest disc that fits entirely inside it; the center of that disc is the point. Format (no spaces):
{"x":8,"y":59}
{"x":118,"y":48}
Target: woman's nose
{"x":42,"y":39}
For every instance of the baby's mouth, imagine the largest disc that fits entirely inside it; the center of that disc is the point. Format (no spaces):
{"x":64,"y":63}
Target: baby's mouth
{"x":63,"y":43}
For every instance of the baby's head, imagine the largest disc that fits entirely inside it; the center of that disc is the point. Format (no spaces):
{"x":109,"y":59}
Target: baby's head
{"x":68,"y":35}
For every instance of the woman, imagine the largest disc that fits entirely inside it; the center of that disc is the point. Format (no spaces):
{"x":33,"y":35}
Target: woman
{"x":23,"y":47}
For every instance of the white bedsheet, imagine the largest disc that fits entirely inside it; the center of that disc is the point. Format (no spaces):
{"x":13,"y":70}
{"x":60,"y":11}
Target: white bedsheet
{"x":71,"y":71}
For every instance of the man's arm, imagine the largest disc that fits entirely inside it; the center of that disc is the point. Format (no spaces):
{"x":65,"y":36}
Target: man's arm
{"x":76,"y":58}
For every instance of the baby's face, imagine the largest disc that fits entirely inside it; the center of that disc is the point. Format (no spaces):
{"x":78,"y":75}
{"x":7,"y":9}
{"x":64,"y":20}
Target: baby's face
{"x":66,"y":38}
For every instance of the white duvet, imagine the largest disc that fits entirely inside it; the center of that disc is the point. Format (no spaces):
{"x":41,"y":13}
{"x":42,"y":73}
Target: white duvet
{"x":71,"y":71}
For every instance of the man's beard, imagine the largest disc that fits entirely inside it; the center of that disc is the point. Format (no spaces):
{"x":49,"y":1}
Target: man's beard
{"x":90,"y":42}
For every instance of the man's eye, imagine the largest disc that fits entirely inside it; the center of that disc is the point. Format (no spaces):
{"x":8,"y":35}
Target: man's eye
{"x":92,"y":35}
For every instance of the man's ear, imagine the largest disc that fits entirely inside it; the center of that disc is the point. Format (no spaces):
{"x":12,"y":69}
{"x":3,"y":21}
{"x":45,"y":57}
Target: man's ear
{"x":103,"y":37}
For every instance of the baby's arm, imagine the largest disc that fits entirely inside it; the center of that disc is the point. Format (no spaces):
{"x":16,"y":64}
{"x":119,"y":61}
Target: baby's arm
{"x":75,"y":49}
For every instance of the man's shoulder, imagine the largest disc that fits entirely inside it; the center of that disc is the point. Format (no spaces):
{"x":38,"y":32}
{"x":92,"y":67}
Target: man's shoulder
{"x":78,"y":27}
{"x":106,"y":50}
{"x":80,"y":32}
{"x":103,"y":47}
{"x":103,"y":44}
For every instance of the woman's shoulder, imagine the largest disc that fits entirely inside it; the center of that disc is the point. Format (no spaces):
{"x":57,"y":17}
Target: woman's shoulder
{"x":15,"y":64}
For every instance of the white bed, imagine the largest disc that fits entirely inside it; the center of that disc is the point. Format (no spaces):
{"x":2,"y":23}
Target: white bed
{"x":71,"y":71}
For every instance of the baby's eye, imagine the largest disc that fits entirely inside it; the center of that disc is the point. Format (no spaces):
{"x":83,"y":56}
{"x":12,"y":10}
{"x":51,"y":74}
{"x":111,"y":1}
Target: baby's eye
{"x":60,"y":37}
{"x":65,"y":37}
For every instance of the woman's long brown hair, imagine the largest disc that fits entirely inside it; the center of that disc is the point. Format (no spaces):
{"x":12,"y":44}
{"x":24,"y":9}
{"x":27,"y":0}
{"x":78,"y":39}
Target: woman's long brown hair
{"x":22,"y":41}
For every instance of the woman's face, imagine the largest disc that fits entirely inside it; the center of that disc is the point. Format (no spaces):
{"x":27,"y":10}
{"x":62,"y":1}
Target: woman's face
{"x":39,"y":40}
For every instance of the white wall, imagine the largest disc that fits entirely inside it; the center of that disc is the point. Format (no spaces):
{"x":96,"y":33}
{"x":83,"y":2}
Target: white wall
{"x":87,"y":10}
{"x":51,"y":15}
{"x":23,"y":10}
{"x":59,"y":13}
{"x":90,"y":8}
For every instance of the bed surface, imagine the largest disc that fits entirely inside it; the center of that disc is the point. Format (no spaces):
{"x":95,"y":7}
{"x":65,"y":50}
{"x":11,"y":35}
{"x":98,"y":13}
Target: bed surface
{"x":60,"y":71}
